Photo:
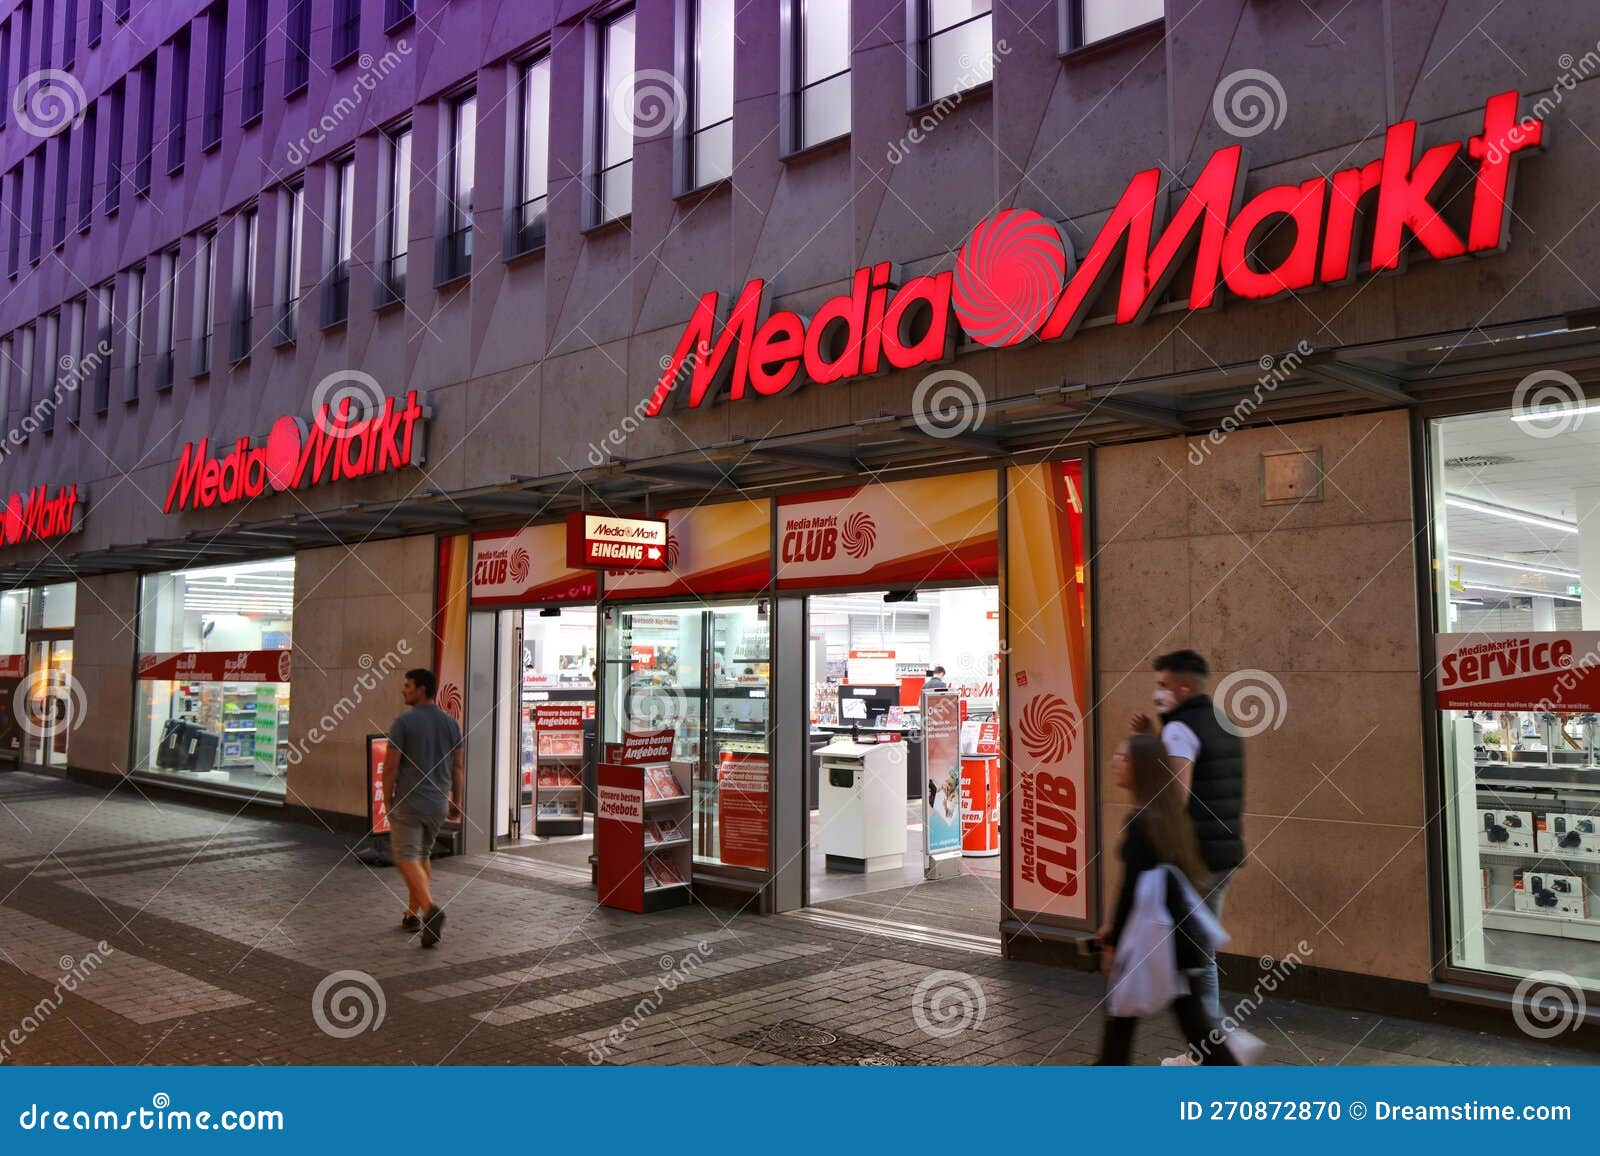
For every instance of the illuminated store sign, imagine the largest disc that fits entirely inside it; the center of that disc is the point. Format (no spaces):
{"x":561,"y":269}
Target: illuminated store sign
{"x":39,"y":516}
{"x":1016,"y":278}
{"x":338,"y":447}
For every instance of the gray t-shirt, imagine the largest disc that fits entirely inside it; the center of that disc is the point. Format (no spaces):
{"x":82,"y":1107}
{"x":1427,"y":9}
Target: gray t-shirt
{"x":427,"y":739}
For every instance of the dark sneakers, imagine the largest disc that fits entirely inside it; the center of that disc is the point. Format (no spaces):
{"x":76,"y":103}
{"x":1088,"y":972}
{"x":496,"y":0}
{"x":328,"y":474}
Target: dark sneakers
{"x":432,"y":926}
{"x":410,"y":923}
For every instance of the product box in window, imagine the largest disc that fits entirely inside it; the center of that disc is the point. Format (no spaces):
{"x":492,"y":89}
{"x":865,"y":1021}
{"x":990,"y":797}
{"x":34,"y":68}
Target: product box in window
{"x":1505,"y":831}
{"x":1569,"y":836}
{"x":1541,"y":893}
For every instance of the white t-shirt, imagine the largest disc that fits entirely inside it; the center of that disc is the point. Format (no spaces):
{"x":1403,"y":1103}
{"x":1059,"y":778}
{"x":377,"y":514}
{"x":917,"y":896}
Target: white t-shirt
{"x":1181,"y":741}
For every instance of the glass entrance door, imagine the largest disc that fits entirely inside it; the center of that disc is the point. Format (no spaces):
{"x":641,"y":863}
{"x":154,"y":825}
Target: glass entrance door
{"x":49,"y":702}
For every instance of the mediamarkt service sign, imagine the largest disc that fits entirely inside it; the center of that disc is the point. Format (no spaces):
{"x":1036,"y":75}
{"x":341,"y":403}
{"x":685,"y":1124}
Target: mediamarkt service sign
{"x":338,"y":447}
{"x":1017,"y":278}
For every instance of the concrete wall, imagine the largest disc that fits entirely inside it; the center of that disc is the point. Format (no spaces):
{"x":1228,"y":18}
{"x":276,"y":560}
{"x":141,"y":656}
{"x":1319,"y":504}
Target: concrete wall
{"x":362,"y":618}
{"x":104,"y":640}
{"x":1321,"y":597}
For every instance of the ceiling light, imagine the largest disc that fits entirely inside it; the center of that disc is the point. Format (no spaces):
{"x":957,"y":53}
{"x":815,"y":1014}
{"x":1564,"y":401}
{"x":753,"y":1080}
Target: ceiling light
{"x":1510,"y":515}
{"x":1518,"y":566}
{"x":1554,"y":412}
{"x":1524,"y":593}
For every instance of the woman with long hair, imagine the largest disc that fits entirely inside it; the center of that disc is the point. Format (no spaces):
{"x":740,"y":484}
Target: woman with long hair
{"x":1160,"y":835}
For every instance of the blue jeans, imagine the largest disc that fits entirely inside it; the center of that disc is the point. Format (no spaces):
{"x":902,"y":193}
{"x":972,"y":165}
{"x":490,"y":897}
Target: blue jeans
{"x":1206,"y":984}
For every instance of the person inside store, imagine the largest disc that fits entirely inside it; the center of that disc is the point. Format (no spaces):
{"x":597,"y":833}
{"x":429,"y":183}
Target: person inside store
{"x":935,"y":679}
{"x":1206,"y":758}
{"x":1160,"y":933}
{"x":424,"y":781}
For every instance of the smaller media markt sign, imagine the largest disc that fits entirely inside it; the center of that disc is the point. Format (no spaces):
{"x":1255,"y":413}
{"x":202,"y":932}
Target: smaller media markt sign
{"x":605,"y":542}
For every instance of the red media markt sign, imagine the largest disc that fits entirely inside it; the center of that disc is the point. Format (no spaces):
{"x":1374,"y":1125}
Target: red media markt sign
{"x":604,"y":542}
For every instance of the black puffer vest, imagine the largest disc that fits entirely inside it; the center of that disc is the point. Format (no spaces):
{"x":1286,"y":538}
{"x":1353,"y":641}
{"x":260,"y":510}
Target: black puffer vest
{"x":1216,"y":799}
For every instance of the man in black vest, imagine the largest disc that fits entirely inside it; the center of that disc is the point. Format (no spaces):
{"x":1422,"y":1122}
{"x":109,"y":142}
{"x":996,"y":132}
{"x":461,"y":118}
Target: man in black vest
{"x":1207,"y":758}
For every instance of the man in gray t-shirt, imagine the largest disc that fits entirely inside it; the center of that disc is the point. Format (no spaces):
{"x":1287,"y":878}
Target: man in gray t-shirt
{"x":423,"y":784}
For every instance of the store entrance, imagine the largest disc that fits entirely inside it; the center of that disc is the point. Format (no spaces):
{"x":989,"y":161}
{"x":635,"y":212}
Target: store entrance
{"x":870,"y":659}
{"x":48,"y":708}
{"x":544,"y":767}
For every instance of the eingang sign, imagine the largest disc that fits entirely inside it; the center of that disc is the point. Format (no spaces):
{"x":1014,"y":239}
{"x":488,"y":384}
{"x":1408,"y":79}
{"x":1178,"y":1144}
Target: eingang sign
{"x":1016,"y":278}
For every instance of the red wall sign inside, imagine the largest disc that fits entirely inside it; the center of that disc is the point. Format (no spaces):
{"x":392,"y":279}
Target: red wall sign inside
{"x":216,"y":666}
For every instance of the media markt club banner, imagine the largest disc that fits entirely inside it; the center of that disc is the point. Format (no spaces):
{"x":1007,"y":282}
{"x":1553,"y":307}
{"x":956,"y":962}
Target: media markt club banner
{"x":529,"y":565}
{"x":922,"y":530}
{"x":725,"y":548}
{"x":1048,"y":692}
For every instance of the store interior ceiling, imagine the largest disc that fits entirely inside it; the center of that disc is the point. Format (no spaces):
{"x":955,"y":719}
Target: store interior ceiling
{"x":265,"y":588}
{"x":1511,"y":504}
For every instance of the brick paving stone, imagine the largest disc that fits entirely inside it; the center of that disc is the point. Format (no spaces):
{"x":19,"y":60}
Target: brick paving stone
{"x":224,"y":927}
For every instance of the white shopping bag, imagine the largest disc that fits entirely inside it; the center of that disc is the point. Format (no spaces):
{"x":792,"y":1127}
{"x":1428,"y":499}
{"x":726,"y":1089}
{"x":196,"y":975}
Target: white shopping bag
{"x":1144,"y":974}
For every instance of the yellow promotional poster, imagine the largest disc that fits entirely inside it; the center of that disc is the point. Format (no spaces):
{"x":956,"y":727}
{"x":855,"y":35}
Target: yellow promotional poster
{"x":1047,"y":792}
{"x":724,"y":548}
{"x":923,"y":530}
{"x":450,"y":623}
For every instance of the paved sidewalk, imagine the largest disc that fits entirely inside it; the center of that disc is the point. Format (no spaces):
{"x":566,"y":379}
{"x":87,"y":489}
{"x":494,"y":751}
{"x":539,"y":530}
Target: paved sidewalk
{"x":220,"y":931}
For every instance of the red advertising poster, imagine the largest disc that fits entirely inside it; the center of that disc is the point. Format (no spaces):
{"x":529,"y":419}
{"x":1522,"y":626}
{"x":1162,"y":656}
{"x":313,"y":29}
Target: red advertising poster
{"x":619,"y":836}
{"x":643,"y":747}
{"x":1547,"y":672}
{"x":559,"y":716}
{"x":377,"y":808}
{"x":607,"y":542}
{"x":217,"y":666}
{"x":922,"y":530}
{"x":13,"y":665}
{"x":1047,"y":701}
{"x":511,"y":567}
{"x":744,"y":809}
{"x":718,"y":548}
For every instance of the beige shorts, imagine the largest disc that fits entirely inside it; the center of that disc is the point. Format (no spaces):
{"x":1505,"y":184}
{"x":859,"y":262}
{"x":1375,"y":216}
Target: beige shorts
{"x":411,"y":838}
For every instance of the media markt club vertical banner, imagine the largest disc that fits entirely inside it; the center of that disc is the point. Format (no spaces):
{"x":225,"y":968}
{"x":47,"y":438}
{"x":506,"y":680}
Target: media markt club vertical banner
{"x":1048,"y":691}
{"x":451,"y":593}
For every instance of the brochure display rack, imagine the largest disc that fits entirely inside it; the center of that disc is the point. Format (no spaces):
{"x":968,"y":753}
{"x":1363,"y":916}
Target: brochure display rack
{"x":558,"y":769}
{"x":642,"y":826}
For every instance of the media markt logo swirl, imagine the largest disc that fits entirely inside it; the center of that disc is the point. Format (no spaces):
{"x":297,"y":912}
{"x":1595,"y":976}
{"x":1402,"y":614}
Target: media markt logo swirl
{"x":858,"y":534}
{"x":1049,"y":728}
{"x":520,"y":566}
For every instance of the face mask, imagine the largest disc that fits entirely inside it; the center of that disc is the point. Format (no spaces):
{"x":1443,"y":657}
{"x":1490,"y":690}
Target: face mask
{"x":1165,"y":700}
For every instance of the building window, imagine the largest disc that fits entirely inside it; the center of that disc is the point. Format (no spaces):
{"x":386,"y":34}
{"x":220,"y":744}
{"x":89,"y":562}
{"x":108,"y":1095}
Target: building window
{"x":24,"y":38}
{"x":69,"y":35}
{"x":43,"y":408}
{"x":613,"y":176}
{"x":397,"y":12}
{"x":244,"y":282}
{"x":14,"y":248}
{"x":63,"y":146}
{"x":818,"y":59}
{"x":297,"y":53}
{"x":133,"y":335}
{"x":146,"y":143}
{"x":105,"y":326}
{"x":178,"y":107}
{"x":708,"y":130}
{"x":533,"y":159}
{"x":216,"y":74}
{"x":955,"y":47}
{"x":291,"y":232}
{"x":346,"y":31}
{"x":36,"y":210}
{"x":124,"y":9}
{"x":97,"y":17}
{"x":91,"y":134}
{"x":460,"y":161}
{"x":1090,"y":21}
{"x":205,"y":286}
{"x":23,"y":383}
{"x":213,"y":683}
{"x":47,"y":13}
{"x":5,"y":67}
{"x":255,"y":61}
{"x":114,"y":127}
{"x":166,"y":319}
{"x":73,"y":363}
{"x":341,"y":219}
{"x":8,"y":349}
{"x":1514,"y":575}
{"x":394,"y":215}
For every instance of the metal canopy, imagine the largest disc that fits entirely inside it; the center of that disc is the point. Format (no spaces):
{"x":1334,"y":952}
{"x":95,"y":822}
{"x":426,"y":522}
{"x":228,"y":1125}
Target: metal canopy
{"x":1482,"y":363}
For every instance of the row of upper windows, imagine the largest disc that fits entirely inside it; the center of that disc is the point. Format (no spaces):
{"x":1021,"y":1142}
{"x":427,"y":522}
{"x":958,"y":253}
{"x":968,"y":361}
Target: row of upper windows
{"x":954,"y":53}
